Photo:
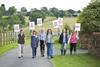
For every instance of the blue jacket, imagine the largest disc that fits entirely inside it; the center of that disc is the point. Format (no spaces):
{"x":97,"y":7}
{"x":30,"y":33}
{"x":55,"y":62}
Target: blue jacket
{"x":34,"y":41}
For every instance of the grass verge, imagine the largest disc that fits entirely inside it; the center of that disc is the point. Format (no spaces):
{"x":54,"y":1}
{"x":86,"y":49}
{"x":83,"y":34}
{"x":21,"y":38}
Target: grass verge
{"x":81,"y":60}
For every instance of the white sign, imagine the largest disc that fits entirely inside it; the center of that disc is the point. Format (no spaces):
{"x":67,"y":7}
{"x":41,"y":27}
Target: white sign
{"x":16,"y":28}
{"x":39,"y":21}
{"x":55,"y":24}
{"x":60,"y":20}
{"x":77,"y":26}
{"x":31,"y":25}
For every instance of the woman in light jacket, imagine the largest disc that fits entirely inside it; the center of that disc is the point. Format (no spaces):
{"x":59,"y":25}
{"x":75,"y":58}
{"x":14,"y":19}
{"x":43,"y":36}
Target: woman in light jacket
{"x":49,"y":41}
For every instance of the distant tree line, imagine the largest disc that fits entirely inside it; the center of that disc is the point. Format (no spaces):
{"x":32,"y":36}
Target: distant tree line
{"x":12,"y":16}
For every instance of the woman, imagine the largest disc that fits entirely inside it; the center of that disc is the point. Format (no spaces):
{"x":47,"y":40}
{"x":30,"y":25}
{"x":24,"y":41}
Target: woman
{"x":73,"y":42}
{"x":49,"y":42}
{"x":34,"y":43}
{"x":63,"y":40}
{"x":21,"y":42}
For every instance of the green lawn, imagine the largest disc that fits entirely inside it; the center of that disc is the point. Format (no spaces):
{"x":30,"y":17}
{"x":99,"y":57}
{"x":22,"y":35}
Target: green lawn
{"x":81,"y":60}
{"x":7,"y":48}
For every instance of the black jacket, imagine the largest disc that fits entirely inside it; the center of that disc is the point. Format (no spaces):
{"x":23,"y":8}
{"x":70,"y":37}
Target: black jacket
{"x":61,"y":38}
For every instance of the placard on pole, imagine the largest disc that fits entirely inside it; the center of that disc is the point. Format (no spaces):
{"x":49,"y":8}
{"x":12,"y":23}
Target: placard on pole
{"x":39,"y":21}
{"x":16,"y":28}
{"x":31,"y":25}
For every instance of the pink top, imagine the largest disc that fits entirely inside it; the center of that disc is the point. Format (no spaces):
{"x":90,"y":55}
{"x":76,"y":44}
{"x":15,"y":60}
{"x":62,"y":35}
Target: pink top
{"x":73,"y":38}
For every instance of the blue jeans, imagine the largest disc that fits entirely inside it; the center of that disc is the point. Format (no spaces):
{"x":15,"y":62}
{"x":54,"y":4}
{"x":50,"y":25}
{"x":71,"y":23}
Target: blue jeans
{"x":49,"y":49}
{"x":34,"y":51}
{"x":63,"y":50}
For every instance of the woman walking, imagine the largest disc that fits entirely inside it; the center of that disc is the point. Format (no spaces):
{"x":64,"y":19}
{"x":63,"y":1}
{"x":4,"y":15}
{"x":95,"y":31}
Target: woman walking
{"x":63,"y":39}
{"x":21,"y":42}
{"x":49,"y":38}
{"x":34,"y":43}
{"x":73,"y":42}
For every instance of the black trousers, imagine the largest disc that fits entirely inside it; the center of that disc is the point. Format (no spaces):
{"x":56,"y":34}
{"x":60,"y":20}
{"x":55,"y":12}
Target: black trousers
{"x":42,"y":47}
{"x":72,"y":47}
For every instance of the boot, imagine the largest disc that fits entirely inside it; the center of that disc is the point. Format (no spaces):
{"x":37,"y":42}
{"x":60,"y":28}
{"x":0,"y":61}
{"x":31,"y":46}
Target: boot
{"x":64,"y":52}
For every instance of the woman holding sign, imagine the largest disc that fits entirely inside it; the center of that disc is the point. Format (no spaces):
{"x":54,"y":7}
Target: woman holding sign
{"x":63,"y":40}
{"x":49,"y":41}
{"x":34,"y":44}
{"x":21,"y":42}
{"x":73,"y":42}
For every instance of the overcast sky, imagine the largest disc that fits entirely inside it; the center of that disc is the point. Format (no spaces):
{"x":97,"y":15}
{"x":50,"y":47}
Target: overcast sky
{"x":60,"y":4}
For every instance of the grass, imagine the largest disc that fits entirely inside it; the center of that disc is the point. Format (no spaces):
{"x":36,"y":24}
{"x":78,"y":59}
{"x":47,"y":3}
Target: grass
{"x":81,"y":60}
{"x":7,"y":48}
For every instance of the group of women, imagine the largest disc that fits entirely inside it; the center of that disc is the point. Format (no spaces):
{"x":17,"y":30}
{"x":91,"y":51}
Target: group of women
{"x":46,"y":38}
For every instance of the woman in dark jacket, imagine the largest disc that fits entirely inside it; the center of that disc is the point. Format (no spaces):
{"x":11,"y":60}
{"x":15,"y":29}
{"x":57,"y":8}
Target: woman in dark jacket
{"x":34,"y":44}
{"x":21,"y":42}
{"x":63,"y":40}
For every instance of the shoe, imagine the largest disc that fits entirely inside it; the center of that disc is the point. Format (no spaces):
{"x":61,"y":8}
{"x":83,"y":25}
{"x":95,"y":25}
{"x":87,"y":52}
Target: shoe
{"x":33,"y":57}
{"x":19,"y":57}
{"x":51,"y":56}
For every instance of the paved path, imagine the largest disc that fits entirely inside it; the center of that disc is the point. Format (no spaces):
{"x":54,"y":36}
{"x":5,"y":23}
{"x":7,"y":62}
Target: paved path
{"x":10,"y":59}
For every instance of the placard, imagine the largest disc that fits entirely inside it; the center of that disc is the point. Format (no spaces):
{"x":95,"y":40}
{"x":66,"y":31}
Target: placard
{"x":32,"y":25}
{"x":39,"y":21}
{"x":55,"y":24}
{"x":16,"y":28}
{"x":77,"y":26}
{"x":60,"y":20}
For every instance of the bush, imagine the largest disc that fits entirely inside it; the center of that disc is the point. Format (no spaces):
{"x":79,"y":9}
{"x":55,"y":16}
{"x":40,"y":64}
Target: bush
{"x":90,"y":18}
{"x":67,"y":27}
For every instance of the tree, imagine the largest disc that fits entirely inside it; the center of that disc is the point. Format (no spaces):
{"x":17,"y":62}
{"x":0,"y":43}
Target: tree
{"x":55,"y":12}
{"x":23,"y":11}
{"x":12,"y":10}
{"x":1,"y":15}
{"x":2,"y":9}
{"x":71,"y":12}
{"x":61,"y":13}
{"x":45,"y":10}
{"x":90,"y":18}
{"x":36,"y":14}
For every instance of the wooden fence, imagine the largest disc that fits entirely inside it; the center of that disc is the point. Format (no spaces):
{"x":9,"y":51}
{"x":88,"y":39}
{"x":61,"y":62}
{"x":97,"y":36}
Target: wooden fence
{"x":7,"y":38}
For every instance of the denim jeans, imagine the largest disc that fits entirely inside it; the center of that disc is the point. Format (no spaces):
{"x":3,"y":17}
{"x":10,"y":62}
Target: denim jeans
{"x":63,"y":50}
{"x":34,"y":51}
{"x":49,"y":49}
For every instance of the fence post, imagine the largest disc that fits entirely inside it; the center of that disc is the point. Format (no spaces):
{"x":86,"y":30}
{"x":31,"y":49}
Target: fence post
{"x":0,"y":40}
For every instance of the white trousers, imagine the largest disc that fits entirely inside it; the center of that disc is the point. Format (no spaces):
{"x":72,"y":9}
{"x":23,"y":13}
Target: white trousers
{"x":20,"y":46}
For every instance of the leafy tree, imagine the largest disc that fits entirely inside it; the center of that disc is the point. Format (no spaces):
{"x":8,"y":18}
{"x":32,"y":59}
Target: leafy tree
{"x":45,"y":10}
{"x":90,"y":18}
{"x":36,"y":14}
{"x":12,"y":10}
{"x":70,"y":12}
{"x":55,"y":12}
{"x":61,"y":13}
{"x":23,"y":11}
{"x":2,"y":9}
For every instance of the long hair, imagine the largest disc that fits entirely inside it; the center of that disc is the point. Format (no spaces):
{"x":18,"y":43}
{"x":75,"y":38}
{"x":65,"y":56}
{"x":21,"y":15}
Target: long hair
{"x":48,"y":31}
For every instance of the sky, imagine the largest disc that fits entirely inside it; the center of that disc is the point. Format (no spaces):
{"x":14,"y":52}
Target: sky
{"x":60,"y":4}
